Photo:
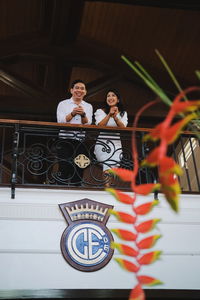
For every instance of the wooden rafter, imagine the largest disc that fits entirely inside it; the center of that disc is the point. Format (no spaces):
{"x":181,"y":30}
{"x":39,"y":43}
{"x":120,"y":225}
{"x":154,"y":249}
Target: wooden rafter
{"x":100,"y":84}
{"x":176,"y":4}
{"x":11,"y":47}
{"x":64,"y":19}
{"x":25,"y":87}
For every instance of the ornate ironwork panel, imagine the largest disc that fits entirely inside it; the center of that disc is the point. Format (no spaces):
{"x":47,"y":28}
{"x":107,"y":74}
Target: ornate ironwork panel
{"x":53,"y":156}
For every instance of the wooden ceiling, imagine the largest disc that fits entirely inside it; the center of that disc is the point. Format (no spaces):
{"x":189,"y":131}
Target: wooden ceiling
{"x":45,"y":44}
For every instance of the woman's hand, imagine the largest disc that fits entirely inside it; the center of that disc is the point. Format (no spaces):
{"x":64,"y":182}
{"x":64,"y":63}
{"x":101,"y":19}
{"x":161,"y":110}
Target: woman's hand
{"x":113,"y":111}
{"x":116,"y":111}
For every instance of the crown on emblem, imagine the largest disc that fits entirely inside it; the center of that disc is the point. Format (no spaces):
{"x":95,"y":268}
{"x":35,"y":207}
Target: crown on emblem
{"x":84,"y":211}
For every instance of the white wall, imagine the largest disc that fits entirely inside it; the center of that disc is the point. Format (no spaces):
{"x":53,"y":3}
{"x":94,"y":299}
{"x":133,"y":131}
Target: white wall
{"x":31,"y":226}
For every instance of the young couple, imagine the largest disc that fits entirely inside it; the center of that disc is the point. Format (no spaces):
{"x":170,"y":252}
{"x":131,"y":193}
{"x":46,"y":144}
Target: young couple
{"x":108,"y":149}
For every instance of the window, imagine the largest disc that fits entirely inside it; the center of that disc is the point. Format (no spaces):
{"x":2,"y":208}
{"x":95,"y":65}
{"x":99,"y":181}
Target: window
{"x":189,"y":146}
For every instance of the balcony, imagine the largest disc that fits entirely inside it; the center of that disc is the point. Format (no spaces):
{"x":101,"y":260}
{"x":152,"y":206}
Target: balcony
{"x":32,"y":224}
{"x":30,"y":156}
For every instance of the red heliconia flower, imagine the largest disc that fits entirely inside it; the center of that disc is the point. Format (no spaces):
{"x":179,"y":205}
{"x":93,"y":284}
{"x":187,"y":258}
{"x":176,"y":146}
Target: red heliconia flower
{"x":146,"y":226}
{"x":124,"y":174}
{"x":148,"y":242}
{"x":125,"y":234}
{"x":152,"y":159}
{"x":168,"y":165}
{"x":171,"y":134}
{"x":147,"y":280}
{"x":123,"y":217}
{"x":166,"y":132}
{"x":137,"y":293}
{"x":124,"y":249}
{"x":171,"y":189}
{"x":145,"y":189}
{"x":168,"y":180}
{"x":120,"y":196}
{"x":127,"y":265}
{"x":172,"y":196}
{"x":154,"y":134}
{"x":178,"y":107}
{"x":149,"y":258}
{"x":145,"y":208}
{"x":181,"y":107}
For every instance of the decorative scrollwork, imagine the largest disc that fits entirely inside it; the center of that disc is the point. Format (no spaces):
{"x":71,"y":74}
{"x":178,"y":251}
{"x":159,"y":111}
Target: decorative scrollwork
{"x":43,"y":159}
{"x":35,"y":152}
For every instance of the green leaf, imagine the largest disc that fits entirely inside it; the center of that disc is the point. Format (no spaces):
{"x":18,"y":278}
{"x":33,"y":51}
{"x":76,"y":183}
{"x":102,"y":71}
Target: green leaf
{"x":171,"y":74}
{"x":151,"y":83}
{"x":148,"y":80}
{"x":198,"y":74}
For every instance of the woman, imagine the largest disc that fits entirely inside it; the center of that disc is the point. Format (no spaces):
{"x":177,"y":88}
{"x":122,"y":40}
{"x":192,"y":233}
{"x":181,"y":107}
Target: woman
{"x":108,"y":148}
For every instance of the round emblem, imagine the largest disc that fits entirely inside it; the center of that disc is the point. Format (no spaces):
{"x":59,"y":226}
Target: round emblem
{"x":86,"y":245}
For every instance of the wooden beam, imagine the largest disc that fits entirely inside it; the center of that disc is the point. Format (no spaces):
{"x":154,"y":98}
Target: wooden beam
{"x":175,"y":4}
{"x":102,"y":59}
{"x":112,"y":60}
{"x":65,"y":20}
{"x":24,"y":87}
{"x":56,"y":78}
{"x":100,"y":84}
{"x":67,"y":56}
{"x":11,"y":47}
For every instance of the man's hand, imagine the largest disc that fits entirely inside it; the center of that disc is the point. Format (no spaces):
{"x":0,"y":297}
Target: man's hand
{"x":78,"y":111}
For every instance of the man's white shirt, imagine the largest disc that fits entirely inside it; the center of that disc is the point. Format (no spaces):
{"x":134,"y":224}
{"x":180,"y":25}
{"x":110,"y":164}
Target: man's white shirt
{"x":64,"y":108}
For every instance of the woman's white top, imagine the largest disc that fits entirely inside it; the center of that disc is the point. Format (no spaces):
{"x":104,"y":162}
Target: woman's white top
{"x":100,"y":115}
{"x":108,"y":148}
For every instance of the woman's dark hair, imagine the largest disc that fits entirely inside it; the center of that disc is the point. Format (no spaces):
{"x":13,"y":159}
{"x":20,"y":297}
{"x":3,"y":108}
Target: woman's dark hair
{"x":118,"y":104}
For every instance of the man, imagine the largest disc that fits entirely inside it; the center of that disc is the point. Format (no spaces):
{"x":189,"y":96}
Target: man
{"x":73,"y":111}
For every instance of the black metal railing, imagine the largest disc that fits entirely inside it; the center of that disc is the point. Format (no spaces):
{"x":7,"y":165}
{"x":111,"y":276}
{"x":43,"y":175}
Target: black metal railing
{"x":186,"y":152}
{"x":56,"y":155}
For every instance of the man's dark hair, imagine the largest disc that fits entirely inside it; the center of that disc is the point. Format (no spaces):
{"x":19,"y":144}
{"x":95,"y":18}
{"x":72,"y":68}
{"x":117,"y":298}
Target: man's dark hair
{"x":77,"y":81}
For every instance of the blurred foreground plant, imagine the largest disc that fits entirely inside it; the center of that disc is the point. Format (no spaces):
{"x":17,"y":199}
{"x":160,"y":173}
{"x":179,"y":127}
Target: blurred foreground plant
{"x":165,"y":133}
{"x":152,"y":84}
